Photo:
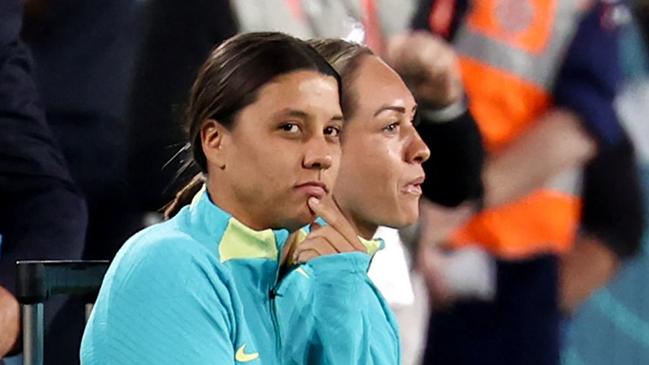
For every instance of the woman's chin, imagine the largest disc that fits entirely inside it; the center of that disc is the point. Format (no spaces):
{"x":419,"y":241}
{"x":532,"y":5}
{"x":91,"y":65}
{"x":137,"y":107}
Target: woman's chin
{"x":409,"y":217}
{"x":305,"y":217}
{"x":399,"y":222}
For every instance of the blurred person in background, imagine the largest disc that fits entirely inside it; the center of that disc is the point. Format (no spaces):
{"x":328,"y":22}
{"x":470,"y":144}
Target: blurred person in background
{"x":370,"y":22}
{"x":42,"y":212}
{"x":547,"y":78}
{"x":612,"y":326}
{"x":83,"y":56}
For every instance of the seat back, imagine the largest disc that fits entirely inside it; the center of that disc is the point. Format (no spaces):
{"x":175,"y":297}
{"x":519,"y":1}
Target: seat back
{"x":38,"y":280}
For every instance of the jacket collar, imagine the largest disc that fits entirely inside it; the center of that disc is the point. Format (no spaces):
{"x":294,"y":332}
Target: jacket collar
{"x":234,"y":239}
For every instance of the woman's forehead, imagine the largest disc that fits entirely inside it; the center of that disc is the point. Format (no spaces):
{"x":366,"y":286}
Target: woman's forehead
{"x":298,"y":84}
{"x":299,"y":92}
{"x":376,"y":85}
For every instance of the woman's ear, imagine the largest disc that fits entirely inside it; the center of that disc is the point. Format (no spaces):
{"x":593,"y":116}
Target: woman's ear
{"x":213,"y":140}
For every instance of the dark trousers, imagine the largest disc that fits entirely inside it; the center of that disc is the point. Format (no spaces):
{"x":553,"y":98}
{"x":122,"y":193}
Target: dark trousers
{"x":520,"y":326}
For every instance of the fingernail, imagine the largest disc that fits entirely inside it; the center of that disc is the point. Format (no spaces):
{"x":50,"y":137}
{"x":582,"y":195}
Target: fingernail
{"x":314,"y":200}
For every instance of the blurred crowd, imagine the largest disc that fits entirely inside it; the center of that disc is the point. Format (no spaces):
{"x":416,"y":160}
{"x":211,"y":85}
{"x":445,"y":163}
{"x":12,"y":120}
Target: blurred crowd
{"x":542,"y":262}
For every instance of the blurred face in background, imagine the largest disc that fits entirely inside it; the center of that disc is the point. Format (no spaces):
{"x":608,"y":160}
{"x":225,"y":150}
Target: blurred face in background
{"x":380,"y":177}
{"x":282,"y":149}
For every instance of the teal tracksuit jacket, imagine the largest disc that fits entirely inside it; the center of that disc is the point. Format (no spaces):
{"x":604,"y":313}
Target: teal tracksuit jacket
{"x":202,"y":289}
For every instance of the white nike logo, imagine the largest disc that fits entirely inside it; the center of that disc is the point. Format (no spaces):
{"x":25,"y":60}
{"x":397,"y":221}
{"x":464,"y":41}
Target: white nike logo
{"x":241,"y":355}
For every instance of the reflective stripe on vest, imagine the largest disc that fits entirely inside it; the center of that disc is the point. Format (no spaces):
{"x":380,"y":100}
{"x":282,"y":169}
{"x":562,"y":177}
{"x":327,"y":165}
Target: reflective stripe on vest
{"x":509,"y":65}
{"x":542,"y":222}
{"x":509,"y":52}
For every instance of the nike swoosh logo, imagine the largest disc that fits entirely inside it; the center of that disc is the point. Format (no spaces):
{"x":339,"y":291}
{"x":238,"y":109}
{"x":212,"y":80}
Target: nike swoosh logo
{"x":241,"y":355}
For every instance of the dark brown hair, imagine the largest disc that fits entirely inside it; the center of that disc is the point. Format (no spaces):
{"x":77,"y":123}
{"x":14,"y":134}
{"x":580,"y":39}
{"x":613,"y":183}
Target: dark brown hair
{"x":230,"y":80}
{"x":344,"y":57}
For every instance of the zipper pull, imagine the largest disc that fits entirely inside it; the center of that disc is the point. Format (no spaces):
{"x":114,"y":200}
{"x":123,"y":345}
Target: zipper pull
{"x":272,"y":294}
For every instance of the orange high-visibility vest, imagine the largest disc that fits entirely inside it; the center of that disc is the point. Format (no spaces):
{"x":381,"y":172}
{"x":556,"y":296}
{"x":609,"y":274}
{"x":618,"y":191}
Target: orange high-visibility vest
{"x":510,"y":52}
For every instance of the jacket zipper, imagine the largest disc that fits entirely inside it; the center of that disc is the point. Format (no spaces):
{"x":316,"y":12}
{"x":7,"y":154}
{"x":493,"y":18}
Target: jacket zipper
{"x":273,"y":311}
{"x":272,"y":294}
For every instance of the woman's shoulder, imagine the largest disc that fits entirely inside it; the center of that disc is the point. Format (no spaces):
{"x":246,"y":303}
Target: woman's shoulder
{"x":159,"y":241}
{"x":166,"y":250}
{"x":161,"y":283}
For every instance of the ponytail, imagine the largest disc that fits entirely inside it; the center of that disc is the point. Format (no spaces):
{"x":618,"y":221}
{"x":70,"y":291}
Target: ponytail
{"x":184,"y":196}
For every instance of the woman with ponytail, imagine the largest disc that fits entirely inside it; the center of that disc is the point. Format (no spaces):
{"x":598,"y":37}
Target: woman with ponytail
{"x":264,"y":125}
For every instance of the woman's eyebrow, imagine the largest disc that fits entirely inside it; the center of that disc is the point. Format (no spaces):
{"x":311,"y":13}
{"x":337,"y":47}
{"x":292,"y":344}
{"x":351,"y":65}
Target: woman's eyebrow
{"x":293,"y":113}
{"x":395,"y":108}
{"x":297,"y":113}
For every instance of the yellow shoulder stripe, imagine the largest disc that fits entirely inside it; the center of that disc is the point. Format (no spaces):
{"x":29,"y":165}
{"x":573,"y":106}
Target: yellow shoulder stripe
{"x":241,"y":242}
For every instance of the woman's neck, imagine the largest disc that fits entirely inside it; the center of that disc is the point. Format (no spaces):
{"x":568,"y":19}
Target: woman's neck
{"x":225,"y":202}
{"x":364,"y":229}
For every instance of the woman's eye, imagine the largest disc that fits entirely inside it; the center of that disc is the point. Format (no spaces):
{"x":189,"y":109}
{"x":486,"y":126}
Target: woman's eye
{"x":332,"y":131}
{"x":391,"y":127}
{"x":290,"y":127}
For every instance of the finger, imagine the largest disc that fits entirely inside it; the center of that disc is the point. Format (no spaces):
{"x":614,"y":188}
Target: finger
{"x":305,"y":256}
{"x":313,"y":247}
{"x":337,"y":220}
{"x":321,"y":245}
{"x":335,"y":238}
{"x":331,"y":213}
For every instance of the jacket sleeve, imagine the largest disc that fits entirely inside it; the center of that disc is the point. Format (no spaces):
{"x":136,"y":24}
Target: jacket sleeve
{"x":613,"y":202}
{"x":590,"y":75}
{"x":456,"y":160}
{"x":331,"y":313}
{"x":166,"y":305}
{"x":612,"y":208}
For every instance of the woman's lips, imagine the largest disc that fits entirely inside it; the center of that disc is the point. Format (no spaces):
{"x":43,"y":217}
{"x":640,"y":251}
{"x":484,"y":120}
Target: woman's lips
{"x":312,"y":188}
{"x":414,"y":186}
{"x":413,"y":189}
